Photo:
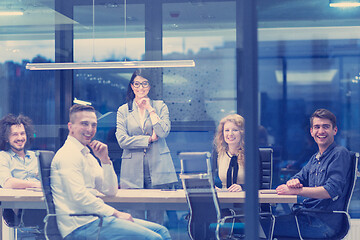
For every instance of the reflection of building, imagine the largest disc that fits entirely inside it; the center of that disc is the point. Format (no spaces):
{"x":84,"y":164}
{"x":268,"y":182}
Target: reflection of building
{"x":22,"y":92}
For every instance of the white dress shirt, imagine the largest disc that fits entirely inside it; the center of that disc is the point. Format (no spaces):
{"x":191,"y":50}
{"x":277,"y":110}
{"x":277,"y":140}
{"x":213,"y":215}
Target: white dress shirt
{"x":75,"y":177}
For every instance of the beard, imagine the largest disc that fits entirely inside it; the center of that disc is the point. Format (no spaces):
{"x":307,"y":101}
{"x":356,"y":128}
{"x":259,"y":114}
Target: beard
{"x":17,"y":149}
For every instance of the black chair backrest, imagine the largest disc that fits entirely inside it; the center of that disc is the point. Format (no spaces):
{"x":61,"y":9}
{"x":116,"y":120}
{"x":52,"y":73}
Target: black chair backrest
{"x":11,"y":219}
{"x":45,"y":158}
{"x":266,"y":161}
{"x":197,"y":179}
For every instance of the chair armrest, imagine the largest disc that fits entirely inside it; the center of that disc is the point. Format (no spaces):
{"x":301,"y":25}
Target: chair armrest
{"x":242,"y":216}
{"x":57,"y":233}
{"x":72,"y":215}
{"x":75,"y":215}
{"x":268,"y":214}
{"x":231,"y":217}
{"x":84,"y":214}
{"x":318,"y":211}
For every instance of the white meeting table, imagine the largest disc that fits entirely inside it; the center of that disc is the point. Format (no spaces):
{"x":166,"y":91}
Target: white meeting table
{"x":136,"y":199}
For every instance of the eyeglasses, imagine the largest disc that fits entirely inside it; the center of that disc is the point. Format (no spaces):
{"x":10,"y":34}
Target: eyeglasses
{"x":143,"y":84}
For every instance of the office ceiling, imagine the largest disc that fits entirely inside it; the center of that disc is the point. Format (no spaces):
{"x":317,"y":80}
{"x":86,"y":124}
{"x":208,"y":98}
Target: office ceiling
{"x":38,"y":21}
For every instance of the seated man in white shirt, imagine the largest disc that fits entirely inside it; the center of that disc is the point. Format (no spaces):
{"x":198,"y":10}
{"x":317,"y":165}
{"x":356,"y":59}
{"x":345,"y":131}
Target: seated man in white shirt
{"x":75,"y":174}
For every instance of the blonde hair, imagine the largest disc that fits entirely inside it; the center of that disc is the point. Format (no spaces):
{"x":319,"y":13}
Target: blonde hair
{"x":219,"y":141}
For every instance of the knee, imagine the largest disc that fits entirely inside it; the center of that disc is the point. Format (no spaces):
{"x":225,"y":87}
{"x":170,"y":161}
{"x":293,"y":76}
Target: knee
{"x":157,"y":237}
{"x":161,"y":233}
{"x":153,"y":236}
{"x":164,"y":233}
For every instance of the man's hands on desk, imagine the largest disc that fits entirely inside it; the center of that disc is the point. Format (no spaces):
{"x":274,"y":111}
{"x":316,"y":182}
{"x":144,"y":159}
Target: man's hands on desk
{"x":16,"y":183}
{"x":36,"y":185}
{"x":292,"y":187}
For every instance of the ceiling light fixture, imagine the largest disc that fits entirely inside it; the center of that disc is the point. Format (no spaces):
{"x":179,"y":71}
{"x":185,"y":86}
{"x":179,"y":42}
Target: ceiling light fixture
{"x":11,"y":13}
{"x":105,"y":65}
{"x":344,"y":3}
{"x":81,"y":102}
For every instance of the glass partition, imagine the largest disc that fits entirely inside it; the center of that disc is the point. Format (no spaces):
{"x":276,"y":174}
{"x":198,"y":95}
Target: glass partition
{"x":308,"y":58}
{"x":28,"y":38}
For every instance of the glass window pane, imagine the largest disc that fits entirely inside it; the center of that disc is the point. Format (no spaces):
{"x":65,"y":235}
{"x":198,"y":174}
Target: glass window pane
{"x":307,"y":61}
{"x":26,"y":38}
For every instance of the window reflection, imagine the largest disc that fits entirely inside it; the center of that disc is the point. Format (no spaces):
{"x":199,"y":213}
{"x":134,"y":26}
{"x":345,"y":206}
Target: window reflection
{"x":303,"y":65}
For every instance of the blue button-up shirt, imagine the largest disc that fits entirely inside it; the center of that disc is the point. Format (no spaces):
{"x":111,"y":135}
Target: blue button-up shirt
{"x":331,"y":171}
{"x":11,"y":165}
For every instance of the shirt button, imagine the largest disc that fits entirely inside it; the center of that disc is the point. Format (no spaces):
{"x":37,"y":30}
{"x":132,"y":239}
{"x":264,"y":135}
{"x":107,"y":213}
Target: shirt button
{"x":318,"y":162}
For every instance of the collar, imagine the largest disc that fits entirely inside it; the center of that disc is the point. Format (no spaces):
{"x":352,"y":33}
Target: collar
{"x":135,"y":104}
{"x":326,"y":152}
{"x":227,"y":153}
{"x":13,"y":154}
{"x":83,"y":149}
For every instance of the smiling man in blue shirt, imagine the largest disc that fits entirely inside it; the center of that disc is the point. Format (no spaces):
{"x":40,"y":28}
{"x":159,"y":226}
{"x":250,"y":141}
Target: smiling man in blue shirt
{"x":19,"y":169}
{"x":323,"y":181}
{"x":18,"y":166}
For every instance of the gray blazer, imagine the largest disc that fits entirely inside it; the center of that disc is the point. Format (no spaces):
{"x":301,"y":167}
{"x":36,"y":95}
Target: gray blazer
{"x":134,"y":140}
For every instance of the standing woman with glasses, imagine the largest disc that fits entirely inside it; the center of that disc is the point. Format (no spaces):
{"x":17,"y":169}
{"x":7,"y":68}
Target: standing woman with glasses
{"x":141,"y":128}
{"x":230,"y":157}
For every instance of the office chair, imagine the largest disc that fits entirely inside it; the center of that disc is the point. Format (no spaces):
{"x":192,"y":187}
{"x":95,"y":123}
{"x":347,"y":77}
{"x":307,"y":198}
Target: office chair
{"x":266,"y":172}
{"x":27,"y":221}
{"x":51,"y":228}
{"x":266,"y":161}
{"x":266,"y":175}
{"x":345,"y":225}
{"x":205,"y":222}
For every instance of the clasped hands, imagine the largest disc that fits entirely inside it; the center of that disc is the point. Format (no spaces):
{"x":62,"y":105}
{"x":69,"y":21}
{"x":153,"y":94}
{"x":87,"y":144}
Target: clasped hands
{"x":234,"y":188}
{"x":292,"y":187}
{"x":144,"y":103}
{"x":153,"y":137}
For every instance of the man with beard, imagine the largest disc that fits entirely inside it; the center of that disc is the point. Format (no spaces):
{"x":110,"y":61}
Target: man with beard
{"x":19,"y":170}
{"x":18,"y":166}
